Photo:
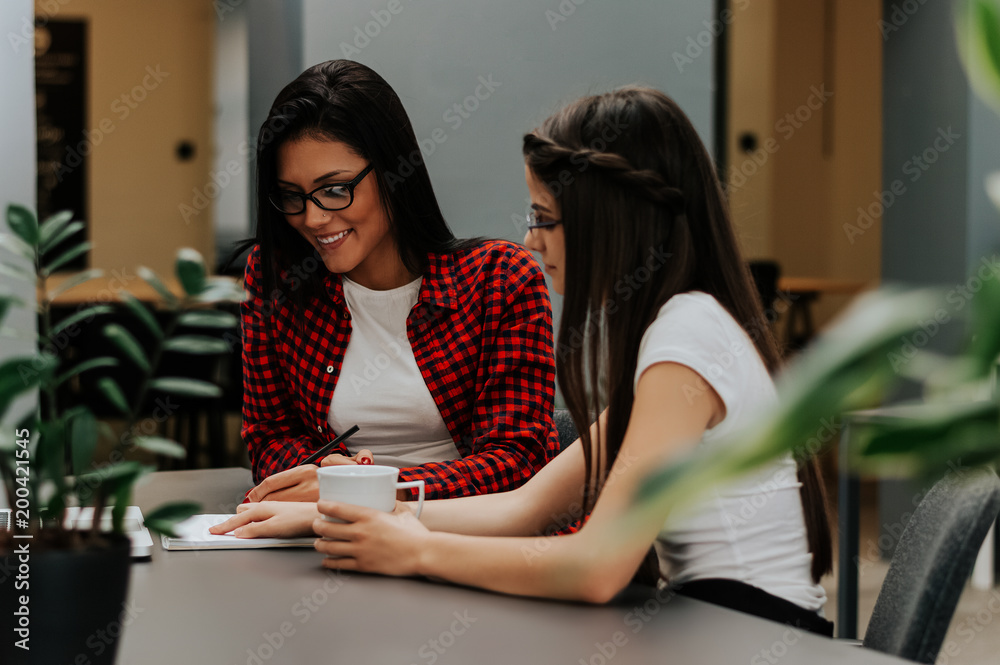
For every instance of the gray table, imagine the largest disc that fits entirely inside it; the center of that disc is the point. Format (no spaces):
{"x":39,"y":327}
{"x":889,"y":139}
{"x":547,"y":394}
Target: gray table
{"x":279,"y":606}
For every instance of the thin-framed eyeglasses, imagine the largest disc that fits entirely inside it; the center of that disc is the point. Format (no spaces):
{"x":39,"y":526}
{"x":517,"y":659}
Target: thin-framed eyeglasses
{"x":331,"y":196}
{"x":535,"y":223}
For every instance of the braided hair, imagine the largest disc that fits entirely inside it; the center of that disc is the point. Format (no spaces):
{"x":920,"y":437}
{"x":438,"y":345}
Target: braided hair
{"x":634,"y":181}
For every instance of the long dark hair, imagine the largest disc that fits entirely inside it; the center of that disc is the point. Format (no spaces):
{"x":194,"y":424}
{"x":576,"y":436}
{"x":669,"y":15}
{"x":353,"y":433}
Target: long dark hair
{"x":633,"y":180}
{"x":348,"y":102}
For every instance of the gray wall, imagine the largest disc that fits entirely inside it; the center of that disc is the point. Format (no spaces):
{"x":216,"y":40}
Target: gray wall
{"x":275,"y":53}
{"x":231,"y":132}
{"x":17,"y":146}
{"x":434,"y":54}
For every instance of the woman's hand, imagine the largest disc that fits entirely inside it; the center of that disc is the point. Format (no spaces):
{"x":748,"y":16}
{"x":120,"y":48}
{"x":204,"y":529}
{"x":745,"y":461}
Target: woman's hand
{"x":300,"y":483}
{"x":364,"y":456}
{"x":270,"y":519}
{"x":371,"y":541}
{"x":296,"y":484}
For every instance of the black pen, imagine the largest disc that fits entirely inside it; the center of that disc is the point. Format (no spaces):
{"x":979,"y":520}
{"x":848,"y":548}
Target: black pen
{"x":322,"y":452}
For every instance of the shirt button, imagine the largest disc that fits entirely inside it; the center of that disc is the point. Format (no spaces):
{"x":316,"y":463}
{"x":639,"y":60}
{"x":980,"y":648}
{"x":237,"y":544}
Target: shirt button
{"x":329,"y":369}
{"x":319,"y":429}
{"x":347,"y":315}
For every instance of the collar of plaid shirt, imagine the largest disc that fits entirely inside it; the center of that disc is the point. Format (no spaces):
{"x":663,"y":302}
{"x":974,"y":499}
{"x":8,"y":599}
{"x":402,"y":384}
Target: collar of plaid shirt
{"x":438,"y":287}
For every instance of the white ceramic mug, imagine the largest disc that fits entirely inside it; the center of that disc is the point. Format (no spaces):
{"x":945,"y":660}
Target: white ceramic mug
{"x":370,"y":485}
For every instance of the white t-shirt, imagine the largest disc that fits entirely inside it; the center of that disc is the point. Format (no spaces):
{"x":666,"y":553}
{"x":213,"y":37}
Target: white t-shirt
{"x":380,"y":387}
{"x":751,"y":530}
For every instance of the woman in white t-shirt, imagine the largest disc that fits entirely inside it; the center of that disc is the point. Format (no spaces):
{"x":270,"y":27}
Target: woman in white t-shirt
{"x":661,"y":322}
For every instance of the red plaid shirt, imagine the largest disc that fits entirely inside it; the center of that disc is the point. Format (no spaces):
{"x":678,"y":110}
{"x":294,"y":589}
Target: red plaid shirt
{"x":481,"y":333}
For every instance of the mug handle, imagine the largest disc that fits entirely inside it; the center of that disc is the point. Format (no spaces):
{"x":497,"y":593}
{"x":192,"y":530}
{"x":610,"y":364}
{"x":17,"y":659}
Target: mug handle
{"x":415,"y":483}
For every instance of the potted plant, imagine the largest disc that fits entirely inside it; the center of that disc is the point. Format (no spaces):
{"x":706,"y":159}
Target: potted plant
{"x":63,"y":589}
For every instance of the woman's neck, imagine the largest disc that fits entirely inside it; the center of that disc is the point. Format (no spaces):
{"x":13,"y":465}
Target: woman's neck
{"x":382,"y":270}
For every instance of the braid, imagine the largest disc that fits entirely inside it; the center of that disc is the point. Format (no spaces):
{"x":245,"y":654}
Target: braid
{"x":649,"y":182}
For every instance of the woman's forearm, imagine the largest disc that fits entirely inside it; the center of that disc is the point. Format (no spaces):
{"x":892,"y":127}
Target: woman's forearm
{"x":553,"y":567}
{"x":552,"y":497}
{"x":501,"y":514}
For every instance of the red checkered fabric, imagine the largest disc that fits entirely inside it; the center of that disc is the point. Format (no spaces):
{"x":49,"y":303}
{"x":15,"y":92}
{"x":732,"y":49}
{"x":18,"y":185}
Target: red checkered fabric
{"x":481,"y":333}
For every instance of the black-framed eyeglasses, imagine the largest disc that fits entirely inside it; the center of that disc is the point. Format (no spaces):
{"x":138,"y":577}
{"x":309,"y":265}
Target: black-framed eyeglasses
{"x":332,"y":196}
{"x":535,"y":223}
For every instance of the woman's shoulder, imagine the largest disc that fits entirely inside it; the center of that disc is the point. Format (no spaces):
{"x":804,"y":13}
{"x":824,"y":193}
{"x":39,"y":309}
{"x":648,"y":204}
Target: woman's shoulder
{"x":501,"y":259}
{"x":695,"y":309}
{"x":696,"y":327}
{"x":493,"y":250}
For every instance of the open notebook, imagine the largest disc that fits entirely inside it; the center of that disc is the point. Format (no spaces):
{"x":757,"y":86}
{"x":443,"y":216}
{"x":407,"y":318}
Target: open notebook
{"x":193,"y":535}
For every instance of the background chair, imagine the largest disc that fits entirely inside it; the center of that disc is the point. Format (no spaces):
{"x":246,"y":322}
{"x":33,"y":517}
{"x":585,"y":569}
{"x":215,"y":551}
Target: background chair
{"x":765,"y":275}
{"x":931,"y":565}
{"x":565,"y":427}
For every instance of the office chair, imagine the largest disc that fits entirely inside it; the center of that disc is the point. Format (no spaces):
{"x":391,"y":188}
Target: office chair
{"x":765,"y":276}
{"x":932,"y":562}
{"x":565,"y":428}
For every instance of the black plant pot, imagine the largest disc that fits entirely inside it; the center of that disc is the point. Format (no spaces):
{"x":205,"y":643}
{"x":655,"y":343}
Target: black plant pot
{"x":76,"y":607}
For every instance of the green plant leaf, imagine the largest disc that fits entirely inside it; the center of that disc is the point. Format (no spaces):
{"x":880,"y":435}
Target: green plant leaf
{"x":111,"y":476}
{"x":122,"y":499}
{"x":87,"y":314}
{"x":115,"y":481}
{"x":6,"y":300}
{"x":114,"y":394}
{"x":17,"y":246}
{"x":14,"y":333}
{"x":105,"y":430}
{"x":921,"y":439}
{"x":63,"y":235}
{"x":8,"y":441}
{"x":82,"y":431}
{"x":190,"y":269}
{"x":987,"y":25}
{"x":49,"y":459}
{"x":162,"y":519}
{"x":184,"y":387}
{"x":66,"y":257}
{"x":977,"y":27}
{"x":139,"y":310}
{"x":74,"y":281}
{"x":16,"y":272}
{"x":52,"y":226}
{"x":85,"y":366}
{"x":196,"y":344}
{"x":221,"y":289}
{"x":984,"y":346}
{"x":154,"y":281}
{"x":208,"y":319}
{"x":160,"y":446}
{"x":993,"y":188}
{"x":22,"y":374}
{"x":128,"y":344}
{"x":23,"y":223}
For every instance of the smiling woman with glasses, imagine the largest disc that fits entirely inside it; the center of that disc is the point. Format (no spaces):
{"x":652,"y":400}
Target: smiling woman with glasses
{"x":365,"y":309}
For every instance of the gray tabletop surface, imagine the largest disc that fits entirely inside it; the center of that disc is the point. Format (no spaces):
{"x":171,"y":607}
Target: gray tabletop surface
{"x":263,"y":607}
